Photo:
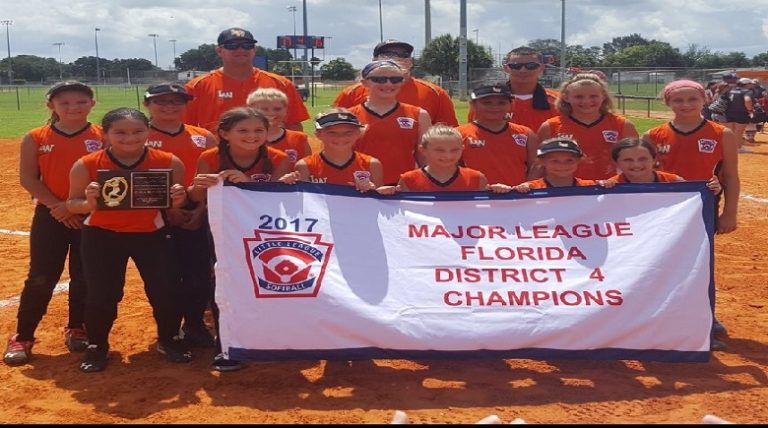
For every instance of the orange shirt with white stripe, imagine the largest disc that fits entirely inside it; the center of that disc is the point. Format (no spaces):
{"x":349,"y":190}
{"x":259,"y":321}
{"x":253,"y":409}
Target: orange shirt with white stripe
{"x":522,"y":112}
{"x":502,"y":156}
{"x":391,"y":138}
{"x":323,"y":171}
{"x":187,"y":144}
{"x":595,"y":139}
{"x":465,"y":179}
{"x":293,"y":144}
{"x":255,"y":170}
{"x":417,"y":92}
{"x":694,"y":155}
{"x":658,"y":177}
{"x":542,"y":183}
{"x":215,"y":93}
{"x":57,"y":152}
{"x":138,"y":220}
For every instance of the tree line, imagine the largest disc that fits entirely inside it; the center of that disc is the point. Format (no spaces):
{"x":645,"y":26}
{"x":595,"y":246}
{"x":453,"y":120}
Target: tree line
{"x":439,"y":57}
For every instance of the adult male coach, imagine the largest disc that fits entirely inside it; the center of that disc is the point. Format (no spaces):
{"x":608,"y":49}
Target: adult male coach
{"x":228,"y":87}
{"x":426,"y":95}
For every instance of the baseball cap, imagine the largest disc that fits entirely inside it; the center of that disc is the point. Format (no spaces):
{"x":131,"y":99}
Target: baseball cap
{"x":336,"y":118}
{"x":745,"y":81}
{"x":68,"y":85}
{"x":165,"y":89}
{"x":730,"y":76}
{"x":234,"y":33}
{"x":391,"y":43}
{"x":491,"y":91}
{"x":559,"y":144}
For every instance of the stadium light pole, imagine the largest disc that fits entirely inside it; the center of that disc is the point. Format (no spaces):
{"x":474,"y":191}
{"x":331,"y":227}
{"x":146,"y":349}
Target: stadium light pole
{"x":173,"y":61}
{"x":381,"y":24}
{"x":562,"y":40}
{"x":61,"y":71}
{"x":96,"y":42}
{"x":154,"y":43}
{"x":293,"y":9}
{"x":477,"y":36}
{"x":8,"y":24}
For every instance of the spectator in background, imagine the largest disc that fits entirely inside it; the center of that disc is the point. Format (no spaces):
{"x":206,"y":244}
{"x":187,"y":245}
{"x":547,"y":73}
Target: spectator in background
{"x":228,"y":87}
{"x":421,"y":93}
{"x":739,"y":109}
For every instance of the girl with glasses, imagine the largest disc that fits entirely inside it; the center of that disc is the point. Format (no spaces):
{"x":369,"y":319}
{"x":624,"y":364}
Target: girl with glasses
{"x":393,"y":129}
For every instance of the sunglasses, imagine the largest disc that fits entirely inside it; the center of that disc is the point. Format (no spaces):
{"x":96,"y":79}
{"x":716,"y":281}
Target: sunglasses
{"x":383,"y":79}
{"x":230,"y":46}
{"x":169,"y":102}
{"x":391,"y":54}
{"x":521,"y":65}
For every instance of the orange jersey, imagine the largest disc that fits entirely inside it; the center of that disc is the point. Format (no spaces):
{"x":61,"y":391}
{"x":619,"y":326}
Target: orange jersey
{"x":391,"y":138}
{"x":595,"y":139}
{"x":417,"y":92}
{"x":216,"y":93}
{"x":323,"y":171}
{"x":187,"y":145}
{"x":542,"y":183}
{"x":522,"y":111}
{"x":502,"y":156}
{"x":659,"y":177}
{"x":293,"y":144}
{"x":57,"y":152}
{"x":140,"y":220}
{"x":694,"y":155}
{"x":255,"y":170}
{"x":419,"y":180}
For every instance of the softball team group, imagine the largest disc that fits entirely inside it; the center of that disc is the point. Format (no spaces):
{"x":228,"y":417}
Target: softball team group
{"x":388,"y":133}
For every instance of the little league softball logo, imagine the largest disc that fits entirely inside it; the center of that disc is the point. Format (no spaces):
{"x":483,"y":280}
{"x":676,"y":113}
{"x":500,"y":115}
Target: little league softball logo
{"x":287,"y":264}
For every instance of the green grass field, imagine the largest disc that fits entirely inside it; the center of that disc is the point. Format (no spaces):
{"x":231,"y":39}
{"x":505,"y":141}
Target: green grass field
{"x":23,"y":108}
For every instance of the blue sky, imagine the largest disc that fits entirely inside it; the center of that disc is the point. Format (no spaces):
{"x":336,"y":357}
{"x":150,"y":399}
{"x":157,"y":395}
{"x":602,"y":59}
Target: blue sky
{"x":353,"y":27}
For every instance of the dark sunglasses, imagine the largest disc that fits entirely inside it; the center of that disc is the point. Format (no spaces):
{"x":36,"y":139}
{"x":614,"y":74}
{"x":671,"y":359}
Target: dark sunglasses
{"x":169,"y":102}
{"x":230,"y":46}
{"x":390,"y":54}
{"x":520,"y":65}
{"x":383,"y":79}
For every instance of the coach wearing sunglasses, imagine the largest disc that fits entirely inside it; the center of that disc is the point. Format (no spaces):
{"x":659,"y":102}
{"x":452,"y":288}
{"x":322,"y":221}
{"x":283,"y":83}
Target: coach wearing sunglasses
{"x":426,"y":95}
{"x":532,"y":103}
{"x":228,"y":87}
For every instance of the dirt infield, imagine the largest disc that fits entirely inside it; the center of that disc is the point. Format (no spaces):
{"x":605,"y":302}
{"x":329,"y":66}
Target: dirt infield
{"x":140,"y":387}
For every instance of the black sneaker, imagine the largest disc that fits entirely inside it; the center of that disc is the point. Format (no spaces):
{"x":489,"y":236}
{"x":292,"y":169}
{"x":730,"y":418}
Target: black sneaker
{"x":198,"y":337}
{"x":717,"y":345}
{"x":175,"y":351}
{"x":224,"y":364}
{"x":95,"y":359}
{"x":718,"y":328}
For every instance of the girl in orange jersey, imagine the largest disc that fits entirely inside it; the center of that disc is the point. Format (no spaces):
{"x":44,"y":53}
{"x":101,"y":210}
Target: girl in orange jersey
{"x":110,"y":237}
{"x":695,"y":149}
{"x":441,"y":147}
{"x":242,"y":154}
{"x":167,"y":103}
{"x":47,"y":154}
{"x":393,"y":129}
{"x":338,"y":162}
{"x":273,"y":103}
{"x":585,"y":115}
{"x":560,"y":159}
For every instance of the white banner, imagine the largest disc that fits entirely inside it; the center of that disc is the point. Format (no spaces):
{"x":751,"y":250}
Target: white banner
{"x":323,"y":272}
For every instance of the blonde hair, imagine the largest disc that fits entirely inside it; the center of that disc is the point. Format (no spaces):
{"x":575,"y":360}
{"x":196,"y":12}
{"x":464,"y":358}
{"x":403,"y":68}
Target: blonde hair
{"x":266,"y":94}
{"x":439,"y":130}
{"x":584,"y":79}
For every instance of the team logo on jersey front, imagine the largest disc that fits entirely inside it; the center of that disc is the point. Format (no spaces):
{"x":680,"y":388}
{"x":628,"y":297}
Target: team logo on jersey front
{"x":287,"y":264}
{"x":361,"y":175}
{"x":261,"y":178}
{"x":611,"y":136}
{"x":475,"y":143}
{"x":293,"y":155}
{"x":520,"y":139}
{"x":199,"y":141}
{"x":406,"y":122}
{"x":155,"y":144}
{"x":92,"y":145}
{"x":707,"y":145}
{"x":225,"y":94}
{"x":663,"y":148}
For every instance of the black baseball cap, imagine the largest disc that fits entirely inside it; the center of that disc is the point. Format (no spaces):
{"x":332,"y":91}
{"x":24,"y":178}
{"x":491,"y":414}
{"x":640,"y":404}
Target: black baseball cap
{"x":68,"y":85}
{"x":166,"y":89}
{"x":559,"y":144}
{"x":234,"y":33}
{"x":730,"y":77}
{"x":391,"y":43}
{"x":337,"y":118}
{"x":491,"y":91}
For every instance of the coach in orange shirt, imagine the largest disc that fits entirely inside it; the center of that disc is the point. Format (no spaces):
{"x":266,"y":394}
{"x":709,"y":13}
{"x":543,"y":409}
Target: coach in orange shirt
{"x":421,"y":93}
{"x":228,"y":87}
{"x":532,"y":104}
